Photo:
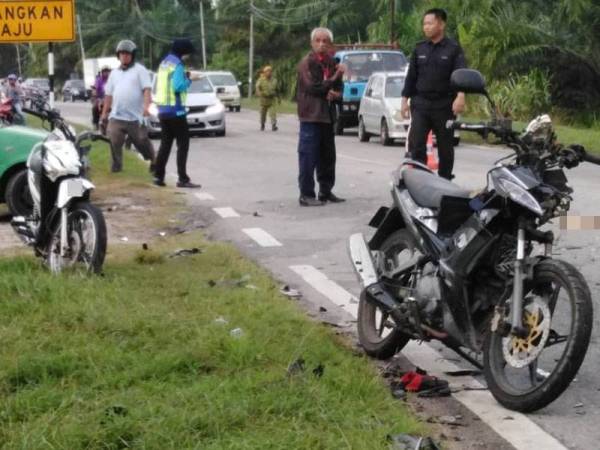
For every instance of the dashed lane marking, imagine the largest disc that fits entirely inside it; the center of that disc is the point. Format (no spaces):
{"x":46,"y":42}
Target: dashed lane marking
{"x":226,"y":212}
{"x":262,"y":238}
{"x":204,"y":196}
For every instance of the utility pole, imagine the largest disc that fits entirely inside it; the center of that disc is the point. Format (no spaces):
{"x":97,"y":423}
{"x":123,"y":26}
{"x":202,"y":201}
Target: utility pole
{"x":202,"y":34}
{"x":251,"y":56}
{"x":392,"y":24}
{"x":51,"y":73}
{"x":18,"y":59}
{"x":81,"y":45}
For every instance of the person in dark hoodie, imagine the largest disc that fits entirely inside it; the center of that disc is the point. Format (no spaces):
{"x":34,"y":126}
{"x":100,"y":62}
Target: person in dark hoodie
{"x":171,"y":92}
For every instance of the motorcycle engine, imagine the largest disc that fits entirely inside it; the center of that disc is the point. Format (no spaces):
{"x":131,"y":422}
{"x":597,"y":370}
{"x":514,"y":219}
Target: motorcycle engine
{"x":428,"y":294}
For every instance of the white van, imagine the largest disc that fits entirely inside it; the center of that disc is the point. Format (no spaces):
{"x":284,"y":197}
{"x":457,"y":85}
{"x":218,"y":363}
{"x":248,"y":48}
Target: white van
{"x":228,"y":88}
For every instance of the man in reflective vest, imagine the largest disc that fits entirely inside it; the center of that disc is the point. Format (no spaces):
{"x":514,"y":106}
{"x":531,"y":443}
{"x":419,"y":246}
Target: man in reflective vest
{"x":172,"y":85}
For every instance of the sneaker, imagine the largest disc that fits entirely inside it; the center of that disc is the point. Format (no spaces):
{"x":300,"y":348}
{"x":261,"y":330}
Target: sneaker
{"x":158,"y":182}
{"x":309,"y":201}
{"x":274,"y":128}
{"x":331,"y":197}
{"x":188,"y":184}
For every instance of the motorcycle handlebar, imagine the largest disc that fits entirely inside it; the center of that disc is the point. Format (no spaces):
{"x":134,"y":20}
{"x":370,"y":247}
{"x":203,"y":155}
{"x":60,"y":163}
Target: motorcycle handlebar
{"x":591,"y":159}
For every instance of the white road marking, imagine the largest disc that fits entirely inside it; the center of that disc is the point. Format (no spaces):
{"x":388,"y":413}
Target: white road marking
{"x":204,"y":196}
{"x":330,"y":289}
{"x":262,"y":238}
{"x":368,"y":161}
{"x":226,"y":212}
{"x":522,"y":432}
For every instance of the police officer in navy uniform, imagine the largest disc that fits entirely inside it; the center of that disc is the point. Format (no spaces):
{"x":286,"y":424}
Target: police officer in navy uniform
{"x":432,"y":103}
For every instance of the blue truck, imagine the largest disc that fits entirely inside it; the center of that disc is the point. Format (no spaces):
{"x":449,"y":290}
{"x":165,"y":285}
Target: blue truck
{"x":361,"y":61}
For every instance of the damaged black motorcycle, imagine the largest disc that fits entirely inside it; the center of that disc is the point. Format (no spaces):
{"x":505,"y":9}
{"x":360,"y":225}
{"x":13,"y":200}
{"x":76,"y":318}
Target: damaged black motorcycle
{"x":475,"y":271}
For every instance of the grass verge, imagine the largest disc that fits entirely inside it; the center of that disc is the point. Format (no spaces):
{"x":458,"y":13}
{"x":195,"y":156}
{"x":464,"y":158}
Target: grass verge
{"x":144,"y":357}
{"x":588,"y":137}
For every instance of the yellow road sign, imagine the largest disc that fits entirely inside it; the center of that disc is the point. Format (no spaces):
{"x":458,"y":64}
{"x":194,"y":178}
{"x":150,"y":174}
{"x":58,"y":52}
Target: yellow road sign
{"x":37,"y":21}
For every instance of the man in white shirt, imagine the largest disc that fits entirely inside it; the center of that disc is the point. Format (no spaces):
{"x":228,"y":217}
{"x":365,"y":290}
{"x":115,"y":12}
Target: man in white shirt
{"x":128,"y":98}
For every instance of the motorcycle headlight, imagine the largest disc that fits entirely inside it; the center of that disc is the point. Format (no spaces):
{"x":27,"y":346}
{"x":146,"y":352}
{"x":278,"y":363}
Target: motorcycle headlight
{"x":217,"y":108}
{"x":519,"y":195}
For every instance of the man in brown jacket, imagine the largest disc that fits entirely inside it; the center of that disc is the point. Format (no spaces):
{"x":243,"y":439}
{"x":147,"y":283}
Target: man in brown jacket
{"x":319,"y":85}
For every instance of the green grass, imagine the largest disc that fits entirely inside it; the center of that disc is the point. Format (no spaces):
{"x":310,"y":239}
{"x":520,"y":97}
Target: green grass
{"x":285,"y":107}
{"x":135,"y":359}
{"x":588,"y":137}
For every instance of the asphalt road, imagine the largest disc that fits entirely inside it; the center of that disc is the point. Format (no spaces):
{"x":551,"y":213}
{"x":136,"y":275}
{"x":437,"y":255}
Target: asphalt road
{"x":250,"y":178}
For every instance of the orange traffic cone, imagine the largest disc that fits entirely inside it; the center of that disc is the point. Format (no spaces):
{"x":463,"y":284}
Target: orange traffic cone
{"x":432,"y":161}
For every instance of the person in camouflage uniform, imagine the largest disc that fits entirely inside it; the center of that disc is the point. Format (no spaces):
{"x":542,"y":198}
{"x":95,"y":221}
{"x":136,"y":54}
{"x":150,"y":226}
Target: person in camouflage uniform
{"x":266,"y":90}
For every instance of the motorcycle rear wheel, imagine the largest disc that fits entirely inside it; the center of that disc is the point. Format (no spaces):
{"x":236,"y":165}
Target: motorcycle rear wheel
{"x":516,"y":370}
{"x":378,"y":335}
{"x":86,"y":235}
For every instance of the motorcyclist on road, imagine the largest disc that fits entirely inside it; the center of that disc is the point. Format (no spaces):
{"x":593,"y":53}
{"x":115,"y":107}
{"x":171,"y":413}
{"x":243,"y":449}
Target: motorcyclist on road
{"x":99,"y":85}
{"x":14,"y":92}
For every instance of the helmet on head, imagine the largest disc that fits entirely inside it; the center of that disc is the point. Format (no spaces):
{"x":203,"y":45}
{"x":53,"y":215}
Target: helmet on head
{"x":182,"y":47}
{"x":126,"y":46}
{"x":12,"y":76}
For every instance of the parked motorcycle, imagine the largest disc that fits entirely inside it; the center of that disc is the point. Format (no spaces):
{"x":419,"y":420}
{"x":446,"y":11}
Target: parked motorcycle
{"x":476,"y":272}
{"x":65,"y":228}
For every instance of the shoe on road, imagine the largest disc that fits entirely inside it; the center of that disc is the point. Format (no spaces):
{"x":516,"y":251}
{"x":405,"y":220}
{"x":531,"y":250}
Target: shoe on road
{"x":158,"y":182}
{"x":188,"y":184}
{"x":331,"y":197}
{"x":310,"y":201}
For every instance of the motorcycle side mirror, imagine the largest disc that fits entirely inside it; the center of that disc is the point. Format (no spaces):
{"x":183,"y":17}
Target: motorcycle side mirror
{"x":471,"y":81}
{"x":468,"y":81}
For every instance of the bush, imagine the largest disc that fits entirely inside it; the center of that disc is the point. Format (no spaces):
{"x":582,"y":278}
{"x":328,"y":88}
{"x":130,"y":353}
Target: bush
{"x":522,"y":97}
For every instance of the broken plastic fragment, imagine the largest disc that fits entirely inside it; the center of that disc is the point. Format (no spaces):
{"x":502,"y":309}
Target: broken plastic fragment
{"x":289,"y":292}
{"x":236,"y":333}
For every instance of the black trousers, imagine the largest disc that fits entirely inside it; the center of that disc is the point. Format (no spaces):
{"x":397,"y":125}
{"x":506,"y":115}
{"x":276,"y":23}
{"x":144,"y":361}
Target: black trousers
{"x":175,"y":128}
{"x":316,"y":152}
{"x":422,"y":122}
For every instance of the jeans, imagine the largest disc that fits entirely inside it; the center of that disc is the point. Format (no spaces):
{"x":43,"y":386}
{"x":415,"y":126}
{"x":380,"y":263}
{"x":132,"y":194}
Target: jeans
{"x":316,"y":151}
{"x":422,"y":122}
{"x":175,"y":128}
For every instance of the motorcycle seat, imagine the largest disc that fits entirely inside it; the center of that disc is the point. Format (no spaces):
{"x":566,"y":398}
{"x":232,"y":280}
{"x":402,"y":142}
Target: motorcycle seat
{"x":427,"y":189}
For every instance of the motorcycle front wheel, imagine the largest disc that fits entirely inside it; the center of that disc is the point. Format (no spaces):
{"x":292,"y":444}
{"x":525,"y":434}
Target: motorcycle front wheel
{"x":379,"y":336}
{"x":526,"y":374}
{"x":86,"y":241}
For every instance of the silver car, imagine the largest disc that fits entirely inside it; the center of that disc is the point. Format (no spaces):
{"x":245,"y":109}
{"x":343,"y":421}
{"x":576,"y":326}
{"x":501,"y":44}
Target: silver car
{"x":379,"y":111}
{"x":205,"y":112}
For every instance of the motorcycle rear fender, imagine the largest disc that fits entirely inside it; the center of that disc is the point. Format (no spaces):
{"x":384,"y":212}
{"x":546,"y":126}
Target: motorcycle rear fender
{"x":71,"y":188}
{"x":386,"y":220}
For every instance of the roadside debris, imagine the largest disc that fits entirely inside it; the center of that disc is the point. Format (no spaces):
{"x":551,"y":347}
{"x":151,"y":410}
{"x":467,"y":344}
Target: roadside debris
{"x":447,"y":420}
{"x":241,"y":282}
{"x":319,"y":371}
{"x":290,"y":292}
{"x":124,"y":239}
{"x":162,"y":234}
{"x":236,"y":333}
{"x":578,"y":405}
{"x":426,"y":386}
{"x":296,"y":367}
{"x":408,"y":442}
{"x":185,"y":252}
{"x":221,"y":321}
{"x":257,"y":214}
{"x":463,"y":373}
{"x":322,"y":309}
